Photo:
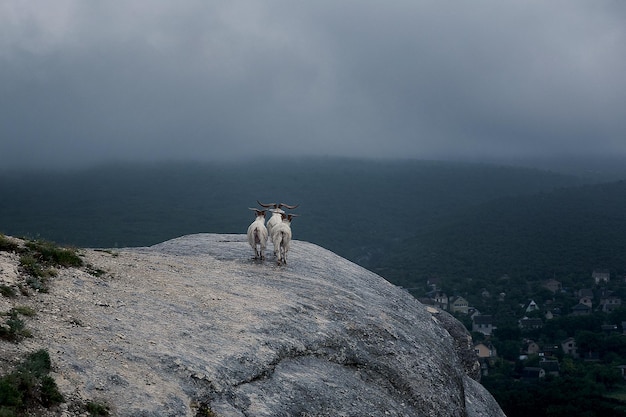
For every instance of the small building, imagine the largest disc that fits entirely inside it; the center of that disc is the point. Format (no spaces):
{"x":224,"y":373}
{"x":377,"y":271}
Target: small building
{"x":601,"y":276}
{"x":441,"y":300}
{"x":551,"y":367}
{"x":609,"y":328}
{"x":581,"y":310}
{"x":459,"y":305}
{"x":588,"y":301}
{"x":610,"y":303}
{"x":531,"y":373}
{"x":532,"y":306}
{"x":550,"y":351}
{"x":555,"y":312}
{"x":485,"y":351}
{"x":483,"y":324}
{"x":553,"y":286}
{"x":569,"y":347}
{"x":530,"y":324}
{"x":531,"y":348}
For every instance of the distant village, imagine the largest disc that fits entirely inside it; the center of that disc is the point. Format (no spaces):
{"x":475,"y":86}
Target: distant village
{"x":548,"y":354}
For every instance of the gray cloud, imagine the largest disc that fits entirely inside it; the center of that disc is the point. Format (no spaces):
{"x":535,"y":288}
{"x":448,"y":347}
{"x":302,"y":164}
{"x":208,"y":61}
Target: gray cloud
{"x":82,"y":82}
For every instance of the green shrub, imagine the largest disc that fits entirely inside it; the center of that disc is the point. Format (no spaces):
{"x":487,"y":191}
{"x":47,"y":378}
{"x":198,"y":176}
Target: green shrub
{"x":10,"y":396}
{"x":6,"y":245}
{"x":29,"y":386}
{"x":50,"y":394}
{"x":96,"y":272}
{"x":53,"y":255}
{"x":14,"y":328}
{"x":34,"y":268}
{"x":37,"y":363}
{"x":97,"y":409}
{"x":24,"y":311}
{"x":7,"y":291}
{"x":39,"y":260}
{"x":38,"y":274}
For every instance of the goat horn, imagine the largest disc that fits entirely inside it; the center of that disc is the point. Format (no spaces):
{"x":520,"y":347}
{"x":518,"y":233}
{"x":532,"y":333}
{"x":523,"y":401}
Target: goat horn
{"x":288,"y":206}
{"x":267,"y":205}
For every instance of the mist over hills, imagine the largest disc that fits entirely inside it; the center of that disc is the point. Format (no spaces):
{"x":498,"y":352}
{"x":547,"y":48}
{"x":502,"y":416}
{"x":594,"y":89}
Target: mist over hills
{"x":404,"y":219}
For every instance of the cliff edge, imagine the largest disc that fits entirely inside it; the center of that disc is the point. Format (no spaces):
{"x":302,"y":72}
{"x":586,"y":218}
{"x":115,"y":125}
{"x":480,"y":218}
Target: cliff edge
{"x":194,"y":326}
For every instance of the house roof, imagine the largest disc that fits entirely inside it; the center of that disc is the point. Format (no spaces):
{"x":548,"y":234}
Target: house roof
{"x":486,"y":319}
{"x":550,"y":366}
{"x":532,"y":372}
{"x":527,"y":322}
{"x":581,"y":307}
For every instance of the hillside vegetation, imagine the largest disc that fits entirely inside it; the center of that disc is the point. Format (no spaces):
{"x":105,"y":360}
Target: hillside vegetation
{"x":478,"y":228}
{"x":406,"y":220}
{"x":565,"y":233}
{"x":354,"y":207}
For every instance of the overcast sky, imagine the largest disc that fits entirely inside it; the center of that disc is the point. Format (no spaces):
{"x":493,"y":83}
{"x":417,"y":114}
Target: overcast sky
{"x":89,"y":81}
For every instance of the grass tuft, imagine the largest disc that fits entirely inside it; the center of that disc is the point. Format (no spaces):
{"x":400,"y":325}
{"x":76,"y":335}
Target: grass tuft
{"x":39,"y":260}
{"x":7,"y":291}
{"x":97,"y":409}
{"x":53,"y":255}
{"x":24,"y":311}
{"x":7,"y":245}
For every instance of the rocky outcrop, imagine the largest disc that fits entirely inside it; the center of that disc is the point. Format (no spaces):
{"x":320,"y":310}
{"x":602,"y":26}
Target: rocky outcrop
{"x":194,"y":326}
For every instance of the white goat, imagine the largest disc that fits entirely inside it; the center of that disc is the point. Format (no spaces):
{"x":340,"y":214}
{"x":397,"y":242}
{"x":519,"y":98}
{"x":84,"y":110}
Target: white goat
{"x":281,"y":237}
{"x":257,"y":234}
{"x":277,"y":212}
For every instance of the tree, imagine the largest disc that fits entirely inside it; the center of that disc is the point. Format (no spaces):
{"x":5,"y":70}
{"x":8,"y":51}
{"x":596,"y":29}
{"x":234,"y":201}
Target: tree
{"x":589,"y":342}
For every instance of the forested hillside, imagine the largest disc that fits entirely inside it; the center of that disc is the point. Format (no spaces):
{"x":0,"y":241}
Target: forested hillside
{"x":565,"y":233}
{"x":352,"y":207}
{"x":478,"y":228}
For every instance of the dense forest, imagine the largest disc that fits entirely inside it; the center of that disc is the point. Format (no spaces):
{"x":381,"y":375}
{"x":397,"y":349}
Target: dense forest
{"x":348,"y":206}
{"x":565,"y":233}
{"x":476,"y":228}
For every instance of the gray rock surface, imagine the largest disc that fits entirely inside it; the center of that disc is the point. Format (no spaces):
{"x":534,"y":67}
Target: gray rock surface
{"x":194,"y":326}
